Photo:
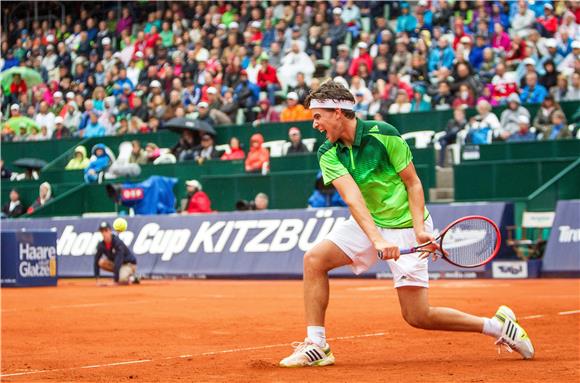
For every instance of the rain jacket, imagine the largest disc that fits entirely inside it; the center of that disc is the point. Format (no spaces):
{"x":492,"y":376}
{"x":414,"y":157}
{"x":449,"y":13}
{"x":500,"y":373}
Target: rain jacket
{"x":75,"y":163}
{"x":257,"y":156}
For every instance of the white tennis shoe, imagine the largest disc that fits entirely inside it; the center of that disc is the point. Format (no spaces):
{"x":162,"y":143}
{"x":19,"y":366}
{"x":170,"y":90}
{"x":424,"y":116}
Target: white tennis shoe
{"x":513,"y":336}
{"x":308,"y":354}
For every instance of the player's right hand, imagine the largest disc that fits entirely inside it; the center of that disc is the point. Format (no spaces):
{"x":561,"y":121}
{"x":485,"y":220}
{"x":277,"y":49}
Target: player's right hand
{"x":387,"y":250}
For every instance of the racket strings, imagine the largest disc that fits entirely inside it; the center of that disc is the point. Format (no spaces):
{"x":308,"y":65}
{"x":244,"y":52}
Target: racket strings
{"x":470,"y":242}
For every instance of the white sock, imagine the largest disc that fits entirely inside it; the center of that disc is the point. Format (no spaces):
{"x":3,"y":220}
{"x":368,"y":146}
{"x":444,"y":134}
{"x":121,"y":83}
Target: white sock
{"x":317,"y":334}
{"x":492,"y":327}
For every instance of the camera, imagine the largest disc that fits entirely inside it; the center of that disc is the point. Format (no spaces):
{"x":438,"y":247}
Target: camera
{"x":243,"y":205}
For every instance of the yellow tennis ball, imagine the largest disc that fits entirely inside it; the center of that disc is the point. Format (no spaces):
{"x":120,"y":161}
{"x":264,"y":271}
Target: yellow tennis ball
{"x":120,"y":225}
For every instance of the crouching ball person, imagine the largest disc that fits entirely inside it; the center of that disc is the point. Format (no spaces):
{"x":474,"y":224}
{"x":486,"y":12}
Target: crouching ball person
{"x":114,"y":256}
{"x":371,"y":167}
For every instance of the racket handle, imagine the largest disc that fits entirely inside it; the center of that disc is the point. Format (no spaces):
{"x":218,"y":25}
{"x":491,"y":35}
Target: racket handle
{"x":401,"y":251}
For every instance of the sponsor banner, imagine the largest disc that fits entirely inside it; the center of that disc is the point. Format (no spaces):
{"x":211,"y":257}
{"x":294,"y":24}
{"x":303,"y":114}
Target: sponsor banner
{"x":237,"y":244}
{"x":509,"y":269}
{"x":563,"y":250}
{"x":29,"y":258}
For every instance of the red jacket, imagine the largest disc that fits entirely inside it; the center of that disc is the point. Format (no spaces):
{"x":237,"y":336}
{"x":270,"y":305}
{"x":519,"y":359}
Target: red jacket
{"x":199,"y":203}
{"x":268,"y":76}
{"x":18,"y":88}
{"x":366,"y":59}
{"x":235,"y":154}
{"x":257,"y":155}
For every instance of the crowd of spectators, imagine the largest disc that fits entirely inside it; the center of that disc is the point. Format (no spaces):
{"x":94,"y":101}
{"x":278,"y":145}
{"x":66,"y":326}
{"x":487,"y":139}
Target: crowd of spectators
{"x":108,"y":70}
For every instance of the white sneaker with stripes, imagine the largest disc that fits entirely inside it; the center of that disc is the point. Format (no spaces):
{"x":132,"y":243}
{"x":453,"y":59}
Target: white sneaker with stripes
{"x":513,"y":336}
{"x":308,"y":354}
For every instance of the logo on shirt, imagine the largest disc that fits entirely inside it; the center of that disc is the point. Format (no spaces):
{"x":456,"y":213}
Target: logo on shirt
{"x":374,"y":129}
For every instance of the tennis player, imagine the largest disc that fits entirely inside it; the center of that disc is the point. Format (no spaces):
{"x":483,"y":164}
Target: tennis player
{"x":371,"y":167}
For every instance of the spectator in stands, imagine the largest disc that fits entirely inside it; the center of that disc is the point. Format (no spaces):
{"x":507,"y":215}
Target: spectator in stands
{"x":465,"y":98}
{"x":296,"y":61}
{"x":138,"y":154}
{"x":185,"y":147}
{"x":324,"y":195}
{"x":547,"y":23}
{"x":153,"y":152}
{"x":235,"y":153}
{"x":296,"y":146}
{"x":17,"y":87}
{"x":294,"y":111}
{"x":443,"y":99}
{"x":44,"y":195}
{"x":203,"y":113}
{"x":71,"y":117}
{"x":93,"y":128}
{"x":14,"y":208}
{"x":246,"y":94}
{"x":510,"y":117}
{"x":261,"y":201}
{"x":523,"y":133}
{"x":441,"y":56}
{"x":197,"y":200}
{"x":484,"y":126}
{"x":267,"y":113}
{"x":79,"y":161}
{"x":45,"y":117}
{"x":206,"y":150}
{"x":258,"y":156}
{"x":60,"y":131}
{"x":5,"y":173}
{"x":99,"y":162}
{"x":558,"y":129}
{"x":301,"y":88}
{"x":401,"y":104}
{"x":573,"y":92}
{"x":267,"y":78}
{"x":454,"y":126}
{"x":337,"y":30}
{"x":533,"y":93}
{"x":523,"y":22}
{"x":543,"y":118}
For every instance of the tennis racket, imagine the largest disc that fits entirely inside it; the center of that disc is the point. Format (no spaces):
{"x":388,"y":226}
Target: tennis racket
{"x":470,"y":241}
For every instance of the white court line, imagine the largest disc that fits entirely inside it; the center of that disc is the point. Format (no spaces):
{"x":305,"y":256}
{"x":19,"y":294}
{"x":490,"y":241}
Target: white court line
{"x":532,"y":317}
{"x":569,"y":312}
{"x":233,"y":350}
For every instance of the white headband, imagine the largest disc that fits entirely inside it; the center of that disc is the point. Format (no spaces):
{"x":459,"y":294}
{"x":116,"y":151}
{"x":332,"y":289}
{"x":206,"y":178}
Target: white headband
{"x":332,"y":104}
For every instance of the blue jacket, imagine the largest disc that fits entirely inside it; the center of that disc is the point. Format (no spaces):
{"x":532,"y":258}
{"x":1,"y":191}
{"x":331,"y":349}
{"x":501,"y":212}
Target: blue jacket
{"x":318,"y":199}
{"x":476,"y":56}
{"x":94,"y":130}
{"x":406,"y":23}
{"x":100,"y":163}
{"x":439,"y":58}
{"x":254,"y":93}
{"x":119,"y":254}
{"x":534,"y":96}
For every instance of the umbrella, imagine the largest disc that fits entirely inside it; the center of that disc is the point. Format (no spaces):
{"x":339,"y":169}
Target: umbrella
{"x":178,"y":124}
{"x":30,"y":76}
{"x":15,"y":123}
{"x":30,"y":163}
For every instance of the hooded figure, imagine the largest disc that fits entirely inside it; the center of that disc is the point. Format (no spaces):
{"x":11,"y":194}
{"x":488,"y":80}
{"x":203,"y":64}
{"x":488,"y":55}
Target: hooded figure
{"x":324,"y":196}
{"x":101,"y":159}
{"x":44,"y":195}
{"x":80,"y":160}
{"x":257,"y":156}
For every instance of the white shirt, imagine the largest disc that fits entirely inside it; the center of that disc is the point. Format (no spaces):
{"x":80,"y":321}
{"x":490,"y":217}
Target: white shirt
{"x":46,"y":120}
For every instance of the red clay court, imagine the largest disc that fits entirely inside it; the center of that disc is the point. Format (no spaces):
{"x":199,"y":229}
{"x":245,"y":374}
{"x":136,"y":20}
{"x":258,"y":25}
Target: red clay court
{"x":236,"y":331}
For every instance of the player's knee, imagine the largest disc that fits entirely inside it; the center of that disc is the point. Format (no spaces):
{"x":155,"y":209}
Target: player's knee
{"x":104,"y":264}
{"x":313,"y":262}
{"x":417,"y":319}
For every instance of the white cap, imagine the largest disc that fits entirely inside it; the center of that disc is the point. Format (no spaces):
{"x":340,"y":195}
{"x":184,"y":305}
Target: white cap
{"x":50,"y":38}
{"x":256,"y":24}
{"x":465,"y":39}
{"x":362,"y":45}
{"x":292,"y":96}
{"x":15,"y":107}
{"x":529,"y":61}
{"x":337,"y":11}
{"x":50,"y":47}
{"x":550,"y":43}
{"x":58,"y":120}
{"x":202,"y":104}
{"x":211,"y":90}
{"x":234,"y":24}
{"x":194,"y":183}
{"x":422,"y":3}
{"x":548,"y":5}
{"x":523,"y":119}
{"x":106,"y":41}
{"x":221,"y":26}
{"x":155,"y":84}
{"x":576,"y":44}
{"x":513,"y":98}
{"x":139,"y":54}
{"x":70,"y":95}
{"x":58,"y":93}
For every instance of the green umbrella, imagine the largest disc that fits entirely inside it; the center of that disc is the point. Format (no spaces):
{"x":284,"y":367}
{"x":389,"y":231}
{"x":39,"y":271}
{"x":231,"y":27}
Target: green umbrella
{"x":22,"y":121}
{"x":30,"y":76}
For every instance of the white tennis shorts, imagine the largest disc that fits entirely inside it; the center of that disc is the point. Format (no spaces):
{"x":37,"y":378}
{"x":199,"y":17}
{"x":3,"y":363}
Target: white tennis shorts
{"x":408,"y":270}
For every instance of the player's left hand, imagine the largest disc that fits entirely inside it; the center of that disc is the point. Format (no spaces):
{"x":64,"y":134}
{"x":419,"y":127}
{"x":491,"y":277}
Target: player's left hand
{"x":432,"y":249}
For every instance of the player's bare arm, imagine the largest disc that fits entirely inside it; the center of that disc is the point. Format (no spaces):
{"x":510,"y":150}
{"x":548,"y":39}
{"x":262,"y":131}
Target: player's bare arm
{"x":350,"y":193}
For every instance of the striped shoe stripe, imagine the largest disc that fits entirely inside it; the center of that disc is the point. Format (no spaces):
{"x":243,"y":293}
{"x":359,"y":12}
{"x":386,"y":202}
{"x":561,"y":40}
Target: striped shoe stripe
{"x":317,"y":354}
